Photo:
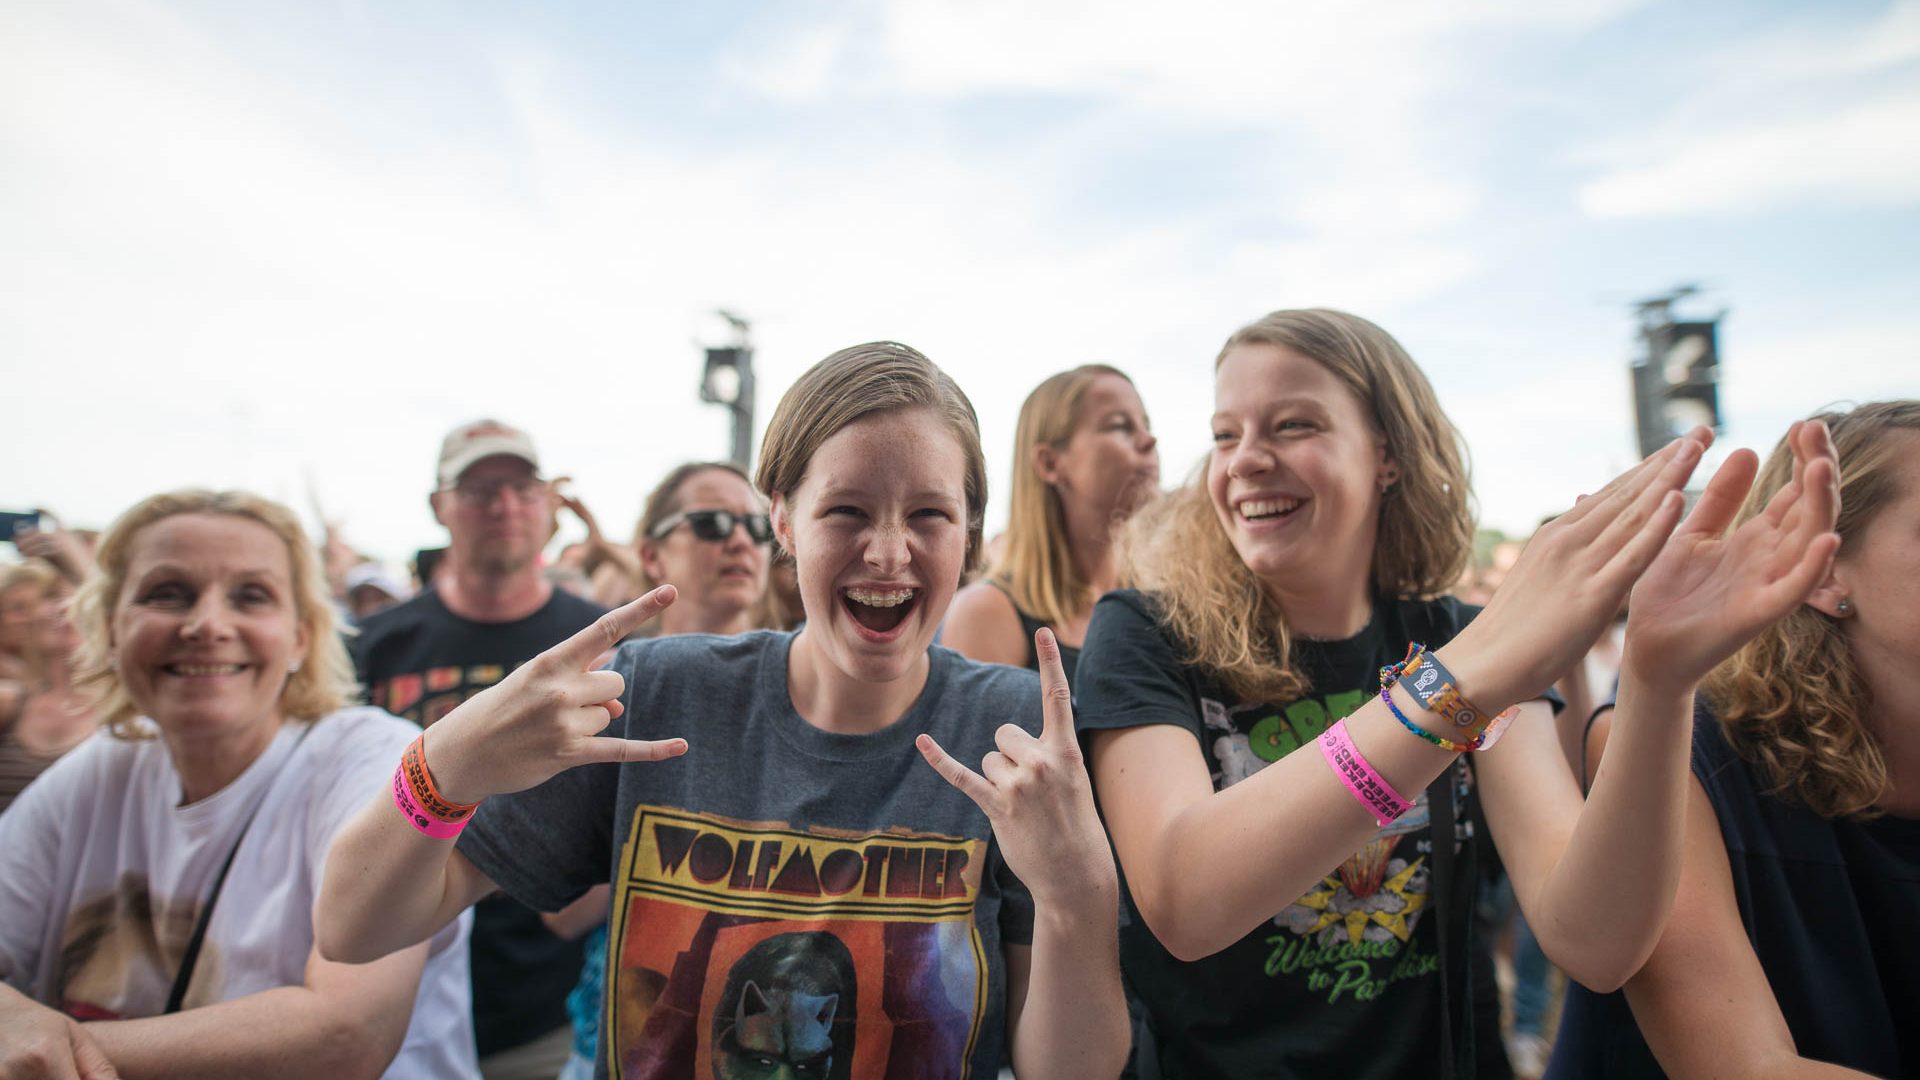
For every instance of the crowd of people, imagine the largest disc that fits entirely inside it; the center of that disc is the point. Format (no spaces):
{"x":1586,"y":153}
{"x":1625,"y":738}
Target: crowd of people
{"x":1261,"y":775}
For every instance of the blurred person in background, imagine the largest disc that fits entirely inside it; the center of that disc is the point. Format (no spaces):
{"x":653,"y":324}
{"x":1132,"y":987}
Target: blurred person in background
{"x":42,"y":716}
{"x":485,"y":611}
{"x":703,"y":530}
{"x":1084,"y":459}
{"x":157,"y":884}
{"x":611,"y":570}
{"x":1791,"y":950}
{"x":69,"y":551}
{"x":371,"y":589}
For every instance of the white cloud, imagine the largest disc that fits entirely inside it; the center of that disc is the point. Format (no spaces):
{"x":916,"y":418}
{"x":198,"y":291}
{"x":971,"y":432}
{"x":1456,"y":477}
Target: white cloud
{"x":1821,"y":113}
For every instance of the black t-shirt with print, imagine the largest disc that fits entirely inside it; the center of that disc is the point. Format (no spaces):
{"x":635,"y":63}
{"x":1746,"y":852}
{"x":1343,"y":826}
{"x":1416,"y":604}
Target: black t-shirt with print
{"x":419,"y":660}
{"x":1344,"y":981}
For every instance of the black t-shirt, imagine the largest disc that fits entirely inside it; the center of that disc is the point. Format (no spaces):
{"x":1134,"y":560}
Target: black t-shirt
{"x":419,"y":660}
{"x":1344,"y":981}
{"x":1830,"y":907}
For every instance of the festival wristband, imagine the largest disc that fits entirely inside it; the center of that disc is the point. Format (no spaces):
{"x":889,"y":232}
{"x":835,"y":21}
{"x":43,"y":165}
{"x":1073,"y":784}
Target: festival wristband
{"x":425,"y":791}
{"x":1437,"y":690}
{"x":1367,"y":786}
{"x":417,"y":815}
{"x":1440,"y":741}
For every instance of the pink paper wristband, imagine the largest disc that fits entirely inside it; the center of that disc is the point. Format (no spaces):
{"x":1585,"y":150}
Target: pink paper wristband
{"x":417,"y":815}
{"x":1368,"y":787}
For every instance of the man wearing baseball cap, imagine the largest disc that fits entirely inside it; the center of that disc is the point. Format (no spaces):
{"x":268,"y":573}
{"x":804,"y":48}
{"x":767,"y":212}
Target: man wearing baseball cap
{"x":487,"y":610}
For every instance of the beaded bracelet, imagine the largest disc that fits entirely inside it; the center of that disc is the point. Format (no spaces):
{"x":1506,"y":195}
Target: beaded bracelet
{"x":1440,"y":741}
{"x":1434,"y":687}
{"x":1363,"y":782}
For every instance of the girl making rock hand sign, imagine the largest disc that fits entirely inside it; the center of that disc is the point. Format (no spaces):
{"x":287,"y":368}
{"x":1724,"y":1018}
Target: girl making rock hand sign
{"x":794,"y":892}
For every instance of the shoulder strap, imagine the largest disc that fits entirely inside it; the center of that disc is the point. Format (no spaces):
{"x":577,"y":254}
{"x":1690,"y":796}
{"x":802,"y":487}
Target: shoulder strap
{"x":184,"y":976}
{"x":1457,"y":1049}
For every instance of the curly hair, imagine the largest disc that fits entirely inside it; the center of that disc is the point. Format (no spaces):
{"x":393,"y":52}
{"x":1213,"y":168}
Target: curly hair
{"x":1793,"y":701}
{"x":325,"y":680}
{"x":1214,"y":604}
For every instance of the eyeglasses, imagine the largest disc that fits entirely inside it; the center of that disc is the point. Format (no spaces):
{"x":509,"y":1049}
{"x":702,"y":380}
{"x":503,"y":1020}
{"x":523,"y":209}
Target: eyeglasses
{"x":716,"y":526}
{"x":522,"y":488}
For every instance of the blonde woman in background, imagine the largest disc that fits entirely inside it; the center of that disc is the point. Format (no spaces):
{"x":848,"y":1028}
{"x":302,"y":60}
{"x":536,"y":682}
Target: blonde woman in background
{"x":42,"y":715}
{"x":1084,"y":459}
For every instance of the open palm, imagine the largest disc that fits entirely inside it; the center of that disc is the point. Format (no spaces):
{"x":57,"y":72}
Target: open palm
{"x":1709,"y":591}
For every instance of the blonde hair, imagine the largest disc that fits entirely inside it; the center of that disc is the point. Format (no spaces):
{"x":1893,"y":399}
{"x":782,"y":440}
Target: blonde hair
{"x":325,"y":680}
{"x":1210,"y":600}
{"x":1036,"y":567}
{"x":42,"y":577}
{"x":1792,"y":701}
{"x":858,"y":382}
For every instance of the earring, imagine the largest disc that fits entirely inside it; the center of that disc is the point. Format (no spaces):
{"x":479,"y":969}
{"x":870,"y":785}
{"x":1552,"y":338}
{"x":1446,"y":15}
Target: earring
{"x":113,"y":664}
{"x":293,"y":667}
{"x":1844,"y":607}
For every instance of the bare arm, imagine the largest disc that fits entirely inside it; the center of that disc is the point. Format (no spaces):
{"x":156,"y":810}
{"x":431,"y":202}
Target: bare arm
{"x":389,"y":886}
{"x":1615,"y":861}
{"x":1066,"y":1012}
{"x":1184,"y":845}
{"x":347,"y":1021}
{"x":983,"y":625}
{"x":1702,"y":1000}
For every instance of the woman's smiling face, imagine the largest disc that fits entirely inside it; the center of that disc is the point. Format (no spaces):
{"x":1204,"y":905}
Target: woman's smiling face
{"x":206,"y":628}
{"x":878,"y":532}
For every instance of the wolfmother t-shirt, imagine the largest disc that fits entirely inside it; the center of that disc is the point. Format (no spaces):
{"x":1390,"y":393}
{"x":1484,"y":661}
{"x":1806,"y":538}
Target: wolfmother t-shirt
{"x":1345,"y":980}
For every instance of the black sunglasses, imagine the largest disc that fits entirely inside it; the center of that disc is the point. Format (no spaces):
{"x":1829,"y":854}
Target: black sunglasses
{"x":716,"y":525}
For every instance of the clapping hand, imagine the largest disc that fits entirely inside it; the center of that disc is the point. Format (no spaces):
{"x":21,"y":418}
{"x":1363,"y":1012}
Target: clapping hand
{"x":1708,"y":592}
{"x":1036,"y":793}
{"x":545,"y":717}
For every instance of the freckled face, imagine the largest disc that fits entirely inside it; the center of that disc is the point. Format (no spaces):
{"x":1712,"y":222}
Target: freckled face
{"x":1296,"y":468}
{"x":878,"y":531}
{"x":205,"y":628}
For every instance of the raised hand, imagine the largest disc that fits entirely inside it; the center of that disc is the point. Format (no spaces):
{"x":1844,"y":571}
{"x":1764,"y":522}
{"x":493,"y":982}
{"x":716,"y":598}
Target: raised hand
{"x":1572,"y":578}
{"x":1708,"y":592}
{"x":546,"y":716}
{"x":1036,"y":793}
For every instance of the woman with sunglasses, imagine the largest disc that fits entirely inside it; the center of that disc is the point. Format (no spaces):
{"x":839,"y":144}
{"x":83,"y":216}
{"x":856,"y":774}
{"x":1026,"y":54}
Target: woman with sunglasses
{"x":799,"y":894}
{"x":706,"y":530}
{"x":703,"y":527}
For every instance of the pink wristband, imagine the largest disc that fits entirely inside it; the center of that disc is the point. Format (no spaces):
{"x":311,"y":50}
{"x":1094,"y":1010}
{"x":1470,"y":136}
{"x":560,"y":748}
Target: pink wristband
{"x":1367,"y":786}
{"x":417,"y":815}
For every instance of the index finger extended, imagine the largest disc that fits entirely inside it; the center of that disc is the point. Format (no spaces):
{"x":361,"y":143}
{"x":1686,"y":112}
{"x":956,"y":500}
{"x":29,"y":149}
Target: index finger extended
{"x":1056,"y":695}
{"x":578,"y":652}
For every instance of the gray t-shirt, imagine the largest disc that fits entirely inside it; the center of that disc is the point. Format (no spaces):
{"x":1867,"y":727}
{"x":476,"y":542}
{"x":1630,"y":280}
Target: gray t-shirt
{"x":783,"y":897}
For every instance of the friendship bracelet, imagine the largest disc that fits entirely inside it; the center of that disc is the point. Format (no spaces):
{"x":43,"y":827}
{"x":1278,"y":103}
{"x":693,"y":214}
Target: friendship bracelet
{"x":1366,"y":785}
{"x":1438,"y":740}
{"x":425,"y":791}
{"x":416,"y":815}
{"x":1437,"y":691}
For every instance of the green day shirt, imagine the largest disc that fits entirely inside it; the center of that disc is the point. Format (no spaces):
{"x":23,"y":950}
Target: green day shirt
{"x":786,"y":901}
{"x":1344,"y":981}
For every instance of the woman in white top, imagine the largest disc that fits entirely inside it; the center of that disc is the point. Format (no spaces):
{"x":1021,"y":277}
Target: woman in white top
{"x":157,"y":884}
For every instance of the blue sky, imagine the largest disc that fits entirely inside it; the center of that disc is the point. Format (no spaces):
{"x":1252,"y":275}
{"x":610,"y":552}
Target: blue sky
{"x":282,"y":246}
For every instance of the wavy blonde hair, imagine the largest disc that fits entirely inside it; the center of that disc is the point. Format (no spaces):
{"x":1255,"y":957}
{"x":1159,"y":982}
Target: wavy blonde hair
{"x":1214,"y":605}
{"x":1036,"y":568}
{"x":325,"y":680}
{"x":1792,"y":701}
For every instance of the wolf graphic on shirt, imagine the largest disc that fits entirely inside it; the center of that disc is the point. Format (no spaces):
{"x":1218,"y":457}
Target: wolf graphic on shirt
{"x":755,"y":951}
